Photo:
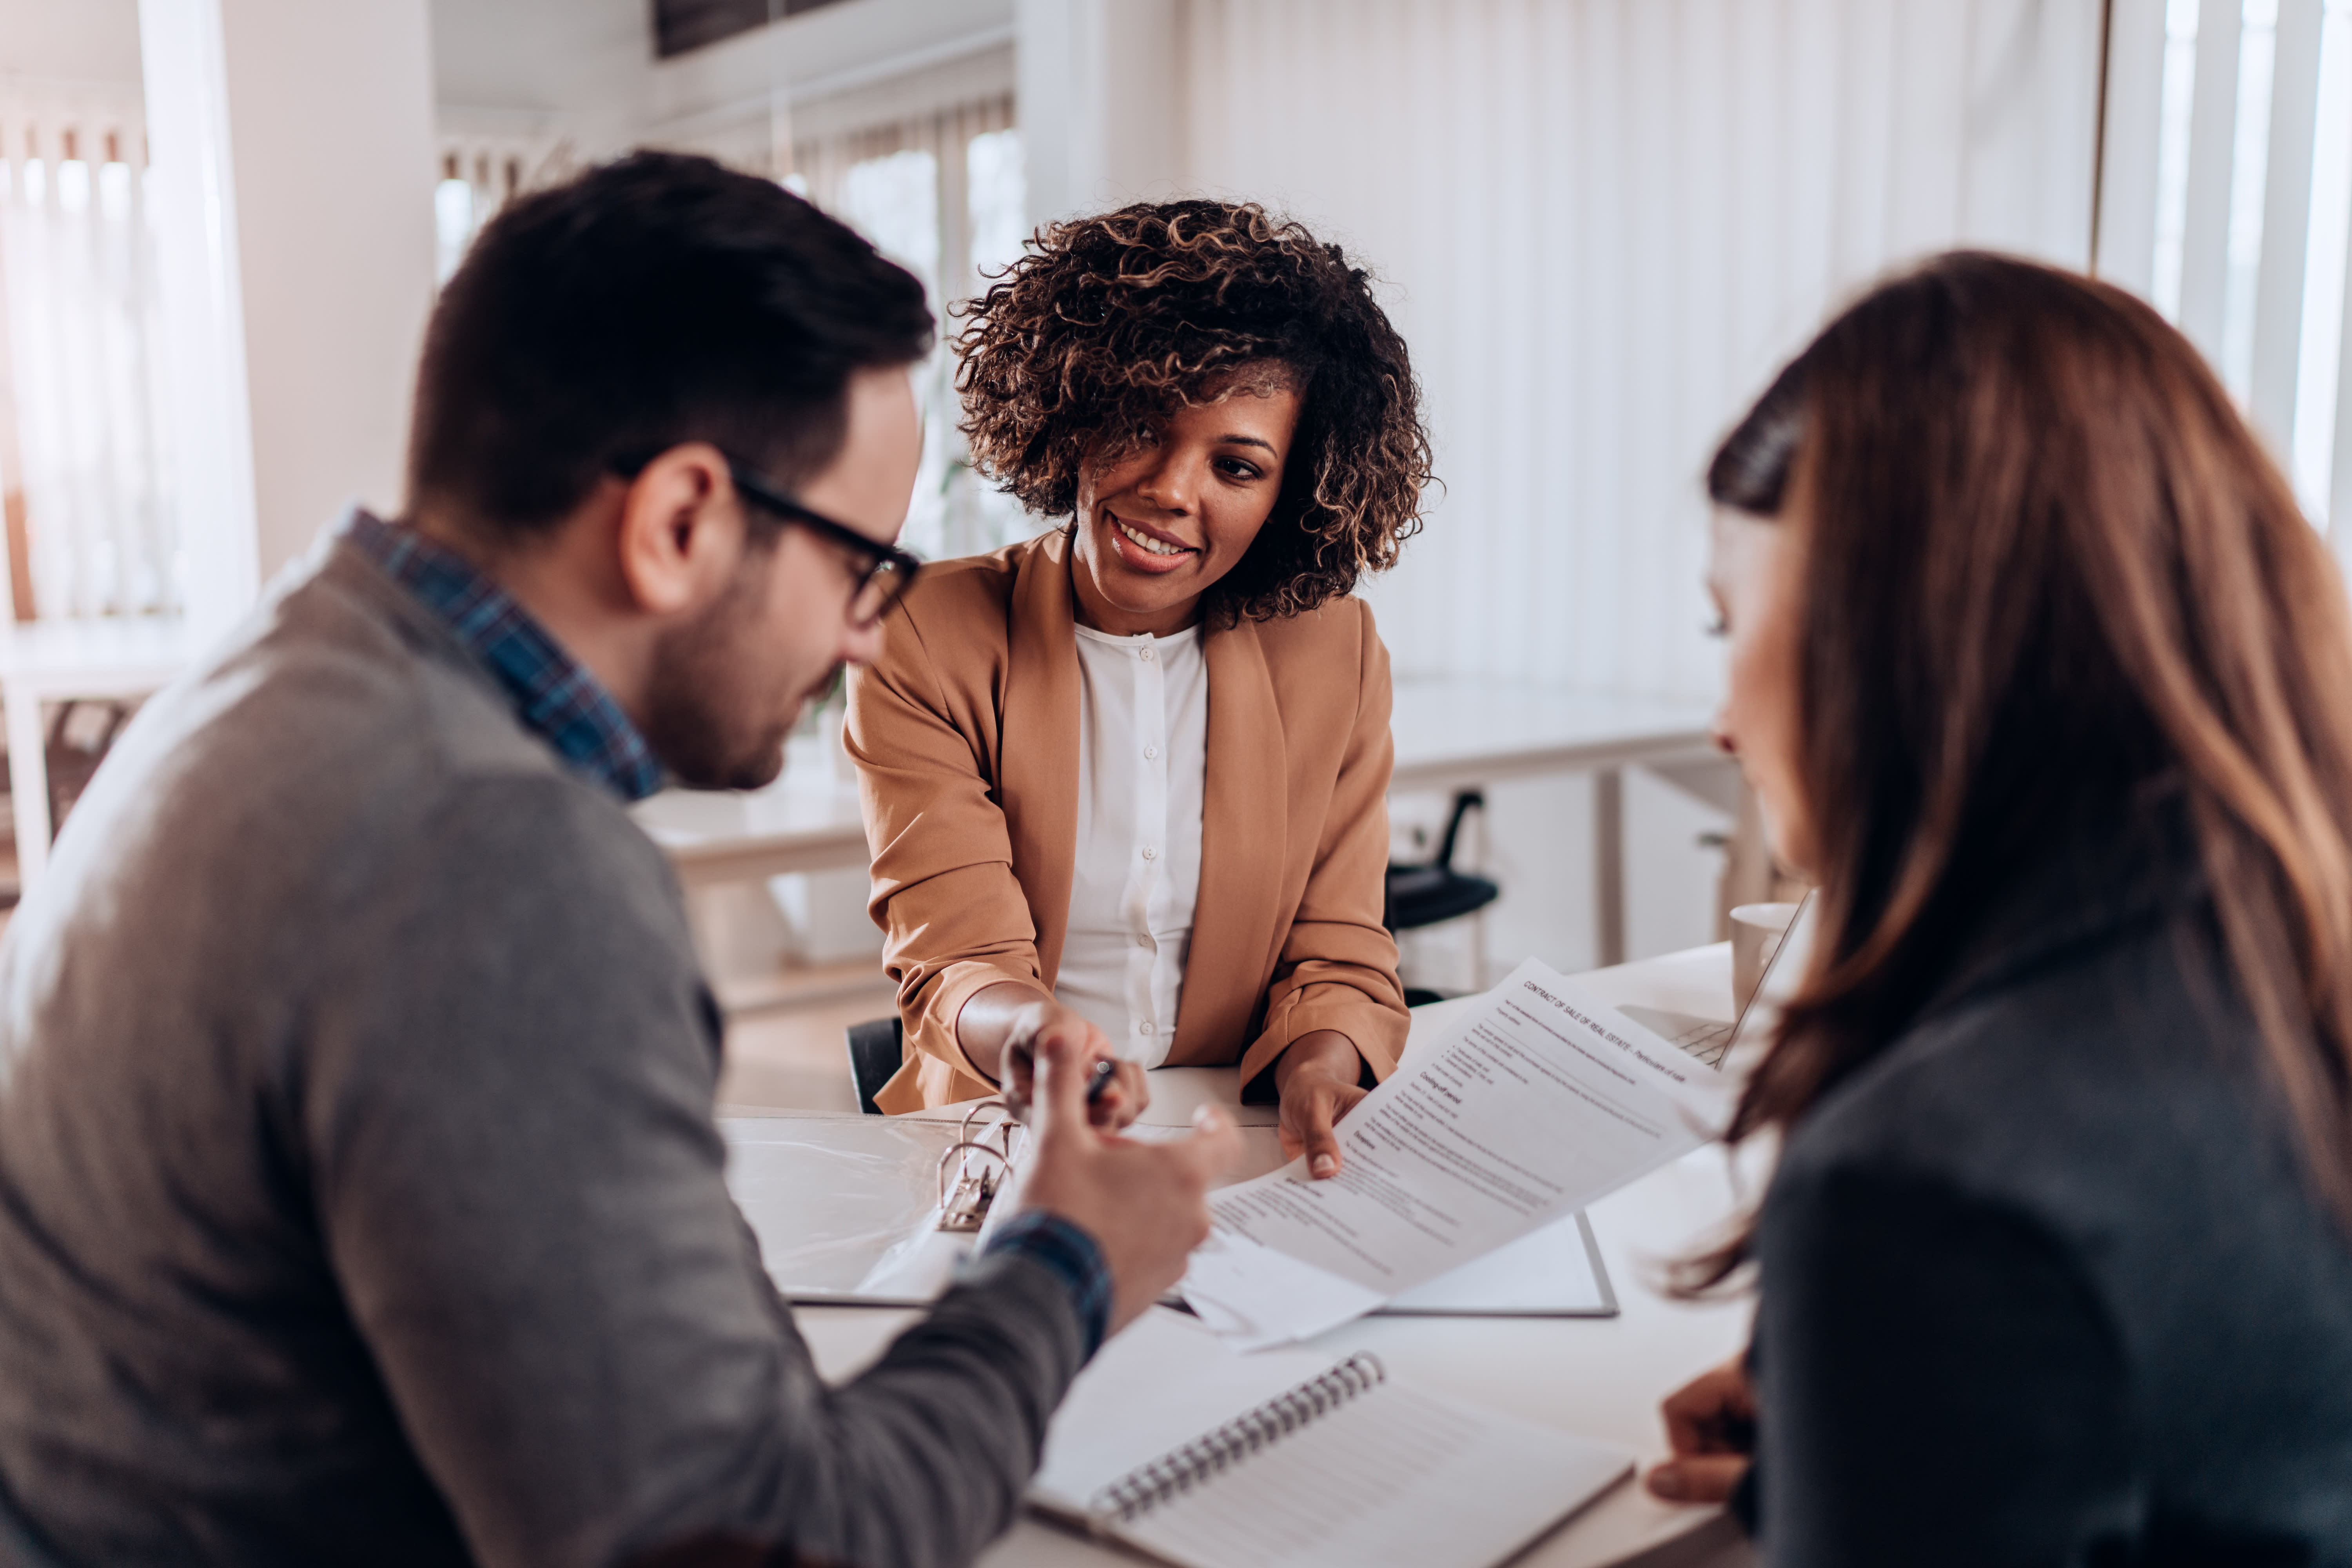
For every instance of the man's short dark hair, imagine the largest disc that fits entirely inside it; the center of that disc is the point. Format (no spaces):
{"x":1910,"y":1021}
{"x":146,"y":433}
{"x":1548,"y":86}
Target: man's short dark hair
{"x":653,"y":300}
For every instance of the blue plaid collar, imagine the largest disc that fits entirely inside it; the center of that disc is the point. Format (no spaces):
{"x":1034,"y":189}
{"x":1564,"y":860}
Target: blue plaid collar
{"x":556,"y":700}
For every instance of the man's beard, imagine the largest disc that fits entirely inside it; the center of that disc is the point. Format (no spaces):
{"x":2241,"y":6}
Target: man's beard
{"x":711,"y":718}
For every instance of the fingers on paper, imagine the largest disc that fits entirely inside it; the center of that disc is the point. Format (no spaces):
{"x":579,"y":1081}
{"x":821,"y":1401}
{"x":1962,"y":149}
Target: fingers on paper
{"x":1713,"y":1413}
{"x":1322,"y":1148}
{"x":1320,"y":1142}
{"x":1697,"y":1478}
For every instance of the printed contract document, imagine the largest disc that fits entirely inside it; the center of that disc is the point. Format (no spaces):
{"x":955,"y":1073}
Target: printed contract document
{"x":1540,"y":1101}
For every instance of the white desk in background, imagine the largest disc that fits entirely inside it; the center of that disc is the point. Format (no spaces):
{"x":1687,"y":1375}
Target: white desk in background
{"x":53,"y":661}
{"x":1462,"y":733}
{"x":1450,"y":734}
{"x":806,"y":821}
{"x":1600,"y":1377}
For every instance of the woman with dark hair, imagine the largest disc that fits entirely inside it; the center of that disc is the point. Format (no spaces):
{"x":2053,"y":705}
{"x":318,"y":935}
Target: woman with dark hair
{"x":2039,"y":672}
{"x":1126,"y":783}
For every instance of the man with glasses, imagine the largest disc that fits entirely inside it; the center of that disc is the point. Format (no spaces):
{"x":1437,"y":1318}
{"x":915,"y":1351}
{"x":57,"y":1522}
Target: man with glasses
{"x":360,"y":1195}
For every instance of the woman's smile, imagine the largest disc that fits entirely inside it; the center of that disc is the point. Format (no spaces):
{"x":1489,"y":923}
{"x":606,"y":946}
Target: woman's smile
{"x":1142,"y":548}
{"x":1206,"y":475}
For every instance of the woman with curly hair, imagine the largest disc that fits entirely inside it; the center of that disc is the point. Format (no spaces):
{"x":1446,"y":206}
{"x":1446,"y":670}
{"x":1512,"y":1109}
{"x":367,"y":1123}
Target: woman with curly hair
{"x":1126,"y":783}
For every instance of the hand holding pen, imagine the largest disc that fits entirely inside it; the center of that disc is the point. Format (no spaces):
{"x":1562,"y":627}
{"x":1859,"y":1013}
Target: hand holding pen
{"x":1115,"y":1091}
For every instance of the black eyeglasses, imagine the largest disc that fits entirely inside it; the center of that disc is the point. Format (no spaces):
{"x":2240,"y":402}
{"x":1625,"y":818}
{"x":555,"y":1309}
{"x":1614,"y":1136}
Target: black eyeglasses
{"x":886,"y":569}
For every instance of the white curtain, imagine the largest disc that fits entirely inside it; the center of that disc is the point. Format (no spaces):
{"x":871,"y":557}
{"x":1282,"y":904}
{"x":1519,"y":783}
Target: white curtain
{"x":77,"y":266}
{"x":1600,"y":225}
{"x":2226,"y":198}
{"x":933,"y":193}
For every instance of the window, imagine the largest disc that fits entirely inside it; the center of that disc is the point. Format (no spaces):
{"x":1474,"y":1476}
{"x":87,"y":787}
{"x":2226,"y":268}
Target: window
{"x":481,"y":171}
{"x":942,"y":196}
{"x":2247,"y":164}
{"x":941,"y":192}
{"x":89,"y":527}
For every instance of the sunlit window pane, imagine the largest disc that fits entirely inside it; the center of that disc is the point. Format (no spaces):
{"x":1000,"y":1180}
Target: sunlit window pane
{"x":894,"y":201}
{"x":453,"y":225}
{"x":2249,"y":166}
{"x":996,"y":195}
{"x":2177,"y":108}
{"x":2318,"y":367}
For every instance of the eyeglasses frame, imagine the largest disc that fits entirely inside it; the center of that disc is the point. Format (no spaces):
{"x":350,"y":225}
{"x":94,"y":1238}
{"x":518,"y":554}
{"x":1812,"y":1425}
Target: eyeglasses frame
{"x":775,"y":499}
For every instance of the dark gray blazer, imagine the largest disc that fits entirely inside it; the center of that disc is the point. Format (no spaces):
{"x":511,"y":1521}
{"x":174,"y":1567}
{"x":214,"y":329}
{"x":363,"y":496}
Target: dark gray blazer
{"x":360,"y":1198}
{"x":2042,"y":1282}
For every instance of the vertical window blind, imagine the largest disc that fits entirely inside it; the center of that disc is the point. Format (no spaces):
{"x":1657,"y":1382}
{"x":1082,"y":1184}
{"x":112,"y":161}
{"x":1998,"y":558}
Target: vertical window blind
{"x":2226,"y":198}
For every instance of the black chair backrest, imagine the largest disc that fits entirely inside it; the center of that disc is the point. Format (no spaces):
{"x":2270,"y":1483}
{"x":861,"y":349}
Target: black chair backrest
{"x":876,"y":1048}
{"x":1425,"y":894}
{"x":1462,"y":804}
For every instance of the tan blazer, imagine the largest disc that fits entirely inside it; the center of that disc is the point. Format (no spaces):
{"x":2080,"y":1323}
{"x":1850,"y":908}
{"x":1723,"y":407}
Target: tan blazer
{"x":965,"y":732}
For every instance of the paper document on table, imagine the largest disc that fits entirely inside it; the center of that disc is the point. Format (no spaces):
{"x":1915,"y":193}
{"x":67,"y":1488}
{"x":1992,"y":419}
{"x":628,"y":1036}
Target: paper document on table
{"x":1552,"y":1272}
{"x":1540,"y":1101}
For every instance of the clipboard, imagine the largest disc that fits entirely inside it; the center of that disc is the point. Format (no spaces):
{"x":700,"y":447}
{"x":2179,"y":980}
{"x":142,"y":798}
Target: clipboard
{"x":832,"y":1195}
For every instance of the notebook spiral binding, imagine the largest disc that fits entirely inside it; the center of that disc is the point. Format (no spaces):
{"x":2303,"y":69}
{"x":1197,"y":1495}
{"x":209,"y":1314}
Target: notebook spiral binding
{"x":1148,"y":1486}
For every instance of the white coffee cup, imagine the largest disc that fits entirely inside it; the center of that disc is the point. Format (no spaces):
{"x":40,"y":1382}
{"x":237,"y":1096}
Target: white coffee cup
{"x":1756,"y":934}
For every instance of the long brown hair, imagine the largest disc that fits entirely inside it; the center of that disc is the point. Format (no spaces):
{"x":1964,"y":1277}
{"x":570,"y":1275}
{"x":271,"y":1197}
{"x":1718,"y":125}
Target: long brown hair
{"x":2046,"y":560}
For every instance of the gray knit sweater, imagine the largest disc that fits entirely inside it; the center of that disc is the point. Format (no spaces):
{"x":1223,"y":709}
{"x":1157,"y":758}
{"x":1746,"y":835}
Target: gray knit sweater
{"x":360,"y":1199}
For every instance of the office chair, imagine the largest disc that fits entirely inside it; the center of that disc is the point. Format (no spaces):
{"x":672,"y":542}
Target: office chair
{"x":1423,"y":895}
{"x":876,"y":1046}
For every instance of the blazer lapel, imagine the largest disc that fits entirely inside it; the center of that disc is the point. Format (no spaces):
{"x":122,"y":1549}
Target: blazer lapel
{"x":1245,"y":824}
{"x":1038,"y":765}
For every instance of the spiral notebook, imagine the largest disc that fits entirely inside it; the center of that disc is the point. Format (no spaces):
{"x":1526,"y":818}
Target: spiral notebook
{"x":1174,"y":1445}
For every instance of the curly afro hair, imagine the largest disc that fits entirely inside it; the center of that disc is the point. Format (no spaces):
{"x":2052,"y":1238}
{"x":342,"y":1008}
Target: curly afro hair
{"x":1105,"y":323}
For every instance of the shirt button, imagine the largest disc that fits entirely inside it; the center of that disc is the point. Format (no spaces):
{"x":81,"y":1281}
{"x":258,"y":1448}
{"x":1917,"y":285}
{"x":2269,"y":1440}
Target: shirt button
{"x":1143,"y":1028}
{"x":1143,"y":941}
{"x":1144,"y":654}
{"x":1151,"y":854}
{"x":1149,"y":752}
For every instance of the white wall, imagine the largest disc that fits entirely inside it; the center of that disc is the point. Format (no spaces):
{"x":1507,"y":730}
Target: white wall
{"x":295,"y":195}
{"x":1103,"y":102}
{"x":581,"y":74}
{"x":82,"y":40}
{"x":583,"y":67}
{"x":334,"y":213}
{"x":1602,"y":223}
{"x":821,"y":53}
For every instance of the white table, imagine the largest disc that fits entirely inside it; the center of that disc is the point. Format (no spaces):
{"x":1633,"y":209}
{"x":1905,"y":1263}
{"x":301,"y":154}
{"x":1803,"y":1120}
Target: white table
{"x":1450,"y":734}
{"x":1462,"y":733}
{"x":1599,"y":1377}
{"x":805,"y":821}
{"x":52,"y":661}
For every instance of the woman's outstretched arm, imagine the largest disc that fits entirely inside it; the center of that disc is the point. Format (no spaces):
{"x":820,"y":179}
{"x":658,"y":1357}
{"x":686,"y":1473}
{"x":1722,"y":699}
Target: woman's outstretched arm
{"x":1003,"y":1028}
{"x":1335,"y":1011}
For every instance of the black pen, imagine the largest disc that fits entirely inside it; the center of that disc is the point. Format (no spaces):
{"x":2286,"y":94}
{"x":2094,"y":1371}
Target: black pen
{"x":1098,"y":1082}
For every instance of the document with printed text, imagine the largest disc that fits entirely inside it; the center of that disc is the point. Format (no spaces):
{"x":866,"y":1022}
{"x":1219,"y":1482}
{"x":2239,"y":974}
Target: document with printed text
{"x":1540,"y":1101}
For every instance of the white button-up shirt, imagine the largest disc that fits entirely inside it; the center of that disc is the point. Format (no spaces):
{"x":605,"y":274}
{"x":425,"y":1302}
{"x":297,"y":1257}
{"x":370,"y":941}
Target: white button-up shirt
{"x":1143,"y":755}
